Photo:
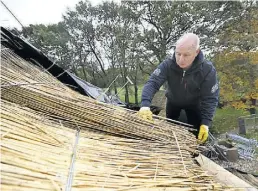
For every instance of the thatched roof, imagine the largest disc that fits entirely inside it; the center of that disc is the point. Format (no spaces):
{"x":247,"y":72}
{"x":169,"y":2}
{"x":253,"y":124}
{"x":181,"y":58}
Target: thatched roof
{"x":54,"y":138}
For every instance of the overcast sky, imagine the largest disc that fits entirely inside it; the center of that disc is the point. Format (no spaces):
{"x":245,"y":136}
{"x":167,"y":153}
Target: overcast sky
{"x":36,"y":11}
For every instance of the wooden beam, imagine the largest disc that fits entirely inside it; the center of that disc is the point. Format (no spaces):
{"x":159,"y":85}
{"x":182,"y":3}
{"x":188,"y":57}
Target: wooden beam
{"x":222,"y":175}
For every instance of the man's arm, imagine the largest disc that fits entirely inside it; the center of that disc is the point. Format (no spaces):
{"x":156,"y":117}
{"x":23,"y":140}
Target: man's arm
{"x":209,"y":96}
{"x":157,"y":79}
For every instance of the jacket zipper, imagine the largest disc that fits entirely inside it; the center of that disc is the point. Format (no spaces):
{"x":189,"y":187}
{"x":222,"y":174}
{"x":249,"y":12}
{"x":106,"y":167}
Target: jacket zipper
{"x":183,"y":77}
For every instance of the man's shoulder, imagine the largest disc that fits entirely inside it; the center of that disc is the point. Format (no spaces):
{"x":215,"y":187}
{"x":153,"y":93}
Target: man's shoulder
{"x":169,"y":62}
{"x":207,"y":66}
{"x":169,"y":59}
{"x":166,"y":63}
{"x":207,"y":63}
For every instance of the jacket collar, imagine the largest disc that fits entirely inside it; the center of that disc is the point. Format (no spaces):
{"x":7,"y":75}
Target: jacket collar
{"x":195,"y":65}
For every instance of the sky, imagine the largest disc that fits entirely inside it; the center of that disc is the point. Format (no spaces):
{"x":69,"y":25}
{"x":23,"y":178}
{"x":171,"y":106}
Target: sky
{"x":36,"y":11}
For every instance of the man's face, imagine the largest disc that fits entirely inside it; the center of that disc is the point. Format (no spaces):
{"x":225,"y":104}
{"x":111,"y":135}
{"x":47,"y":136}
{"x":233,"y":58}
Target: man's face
{"x":185,"y":56}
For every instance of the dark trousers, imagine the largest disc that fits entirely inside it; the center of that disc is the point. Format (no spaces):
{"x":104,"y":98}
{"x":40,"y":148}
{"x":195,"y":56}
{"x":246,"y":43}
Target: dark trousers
{"x":192,"y":114}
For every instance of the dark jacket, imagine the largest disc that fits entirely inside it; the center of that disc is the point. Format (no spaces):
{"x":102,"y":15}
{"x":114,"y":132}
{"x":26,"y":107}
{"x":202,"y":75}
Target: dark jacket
{"x":196,"y":87}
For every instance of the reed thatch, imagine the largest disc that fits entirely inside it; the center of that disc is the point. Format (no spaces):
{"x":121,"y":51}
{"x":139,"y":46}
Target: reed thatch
{"x":53,"y":138}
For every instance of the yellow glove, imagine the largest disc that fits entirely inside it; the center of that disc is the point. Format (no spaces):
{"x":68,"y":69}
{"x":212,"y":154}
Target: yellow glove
{"x":203,"y":133}
{"x":145,"y":113}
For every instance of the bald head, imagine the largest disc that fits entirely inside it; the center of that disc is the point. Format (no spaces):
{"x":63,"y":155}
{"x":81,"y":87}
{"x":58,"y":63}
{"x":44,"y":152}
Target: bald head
{"x":189,"y":40}
{"x":187,"y":48}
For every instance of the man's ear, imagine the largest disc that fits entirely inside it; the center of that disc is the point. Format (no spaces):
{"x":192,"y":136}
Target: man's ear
{"x":197,"y":51}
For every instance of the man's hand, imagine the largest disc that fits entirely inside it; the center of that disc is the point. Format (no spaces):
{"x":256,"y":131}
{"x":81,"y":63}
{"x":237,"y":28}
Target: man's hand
{"x":203,"y":133}
{"x":145,"y":113}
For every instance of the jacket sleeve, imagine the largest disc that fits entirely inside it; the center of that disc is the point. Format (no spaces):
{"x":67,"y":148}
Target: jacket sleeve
{"x":209,"y":96}
{"x":157,"y":79}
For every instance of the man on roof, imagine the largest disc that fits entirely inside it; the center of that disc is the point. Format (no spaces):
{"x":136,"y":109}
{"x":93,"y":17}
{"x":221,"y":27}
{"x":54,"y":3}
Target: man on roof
{"x":192,"y":86}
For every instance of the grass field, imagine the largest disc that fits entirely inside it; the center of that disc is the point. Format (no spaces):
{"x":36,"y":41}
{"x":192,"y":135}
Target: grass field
{"x":121,"y":93}
{"x":226,"y":120}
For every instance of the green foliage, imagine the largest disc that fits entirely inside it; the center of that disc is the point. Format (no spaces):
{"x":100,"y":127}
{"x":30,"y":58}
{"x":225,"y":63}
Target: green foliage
{"x":52,"y":40}
{"x":241,"y":33}
{"x":237,"y":63}
{"x":238,"y":76}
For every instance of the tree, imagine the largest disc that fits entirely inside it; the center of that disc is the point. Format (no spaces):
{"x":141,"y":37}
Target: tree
{"x":107,"y":14}
{"x":237,"y":60}
{"x":125,"y":34}
{"x":52,"y":40}
{"x":116,"y":30}
{"x":81,"y":26}
{"x":163,"y":22}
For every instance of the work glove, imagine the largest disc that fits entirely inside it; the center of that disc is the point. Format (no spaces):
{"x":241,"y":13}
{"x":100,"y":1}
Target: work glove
{"x":203,"y":133}
{"x":145,"y":113}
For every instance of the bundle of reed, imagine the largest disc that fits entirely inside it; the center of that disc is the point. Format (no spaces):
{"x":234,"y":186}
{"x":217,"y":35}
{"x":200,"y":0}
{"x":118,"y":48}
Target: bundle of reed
{"x":29,"y":86}
{"x":35,"y":152}
{"x":109,"y":163}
